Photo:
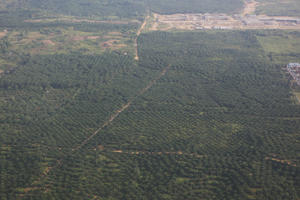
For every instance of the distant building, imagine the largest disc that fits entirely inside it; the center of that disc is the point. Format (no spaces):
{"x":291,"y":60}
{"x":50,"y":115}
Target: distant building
{"x":294,"y":70}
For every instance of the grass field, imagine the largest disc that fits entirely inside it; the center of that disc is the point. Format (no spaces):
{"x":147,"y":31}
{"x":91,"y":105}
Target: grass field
{"x":282,"y":46}
{"x":297,"y":95}
{"x":279,"y":7}
{"x":65,"y":40}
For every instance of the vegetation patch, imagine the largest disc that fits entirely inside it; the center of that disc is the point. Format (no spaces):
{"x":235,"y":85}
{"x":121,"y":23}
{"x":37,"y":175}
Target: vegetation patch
{"x":195,"y":6}
{"x":279,"y":7}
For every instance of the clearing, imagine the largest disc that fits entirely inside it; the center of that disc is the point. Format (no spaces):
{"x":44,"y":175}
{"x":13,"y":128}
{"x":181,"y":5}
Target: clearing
{"x":2,"y":34}
{"x":249,"y":8}
{"x":223,"y":21}
{"x":245,"y":20}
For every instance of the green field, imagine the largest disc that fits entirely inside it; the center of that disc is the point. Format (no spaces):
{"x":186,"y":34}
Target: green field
{"x":196,"y":6}
{"x":279,"y":8}
{"x":282,"y":47}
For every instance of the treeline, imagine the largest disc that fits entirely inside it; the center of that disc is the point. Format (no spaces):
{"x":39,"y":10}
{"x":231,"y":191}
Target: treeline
{"x":196,"y":6}
{"x":117,"y":9}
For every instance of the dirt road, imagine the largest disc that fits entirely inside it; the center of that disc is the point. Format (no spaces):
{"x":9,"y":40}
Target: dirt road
{"x":137,"y":35}
{"x":158,"y":153}
{"x":249,"y":8}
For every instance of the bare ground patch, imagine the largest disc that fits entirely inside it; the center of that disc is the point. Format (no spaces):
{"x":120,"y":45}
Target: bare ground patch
{"x":158,"y":153}
{"x":48,"y":42}
{"x":112,"y":44}
{"x":2,"y":34}
{"x":245,"y":20}
{"x":223,"y":21}
{"x":249,"y":8}
{"x":287,"y":162}
{"x":82,"y":38}
{"x":137,"y":35}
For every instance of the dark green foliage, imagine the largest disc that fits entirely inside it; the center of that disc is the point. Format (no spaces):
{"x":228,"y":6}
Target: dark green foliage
{"x":113,"y":8}
{"x":128,"y":8}
{"x":222,"y":105}
{"x":124,"y":8}
{"x":195,"y":6}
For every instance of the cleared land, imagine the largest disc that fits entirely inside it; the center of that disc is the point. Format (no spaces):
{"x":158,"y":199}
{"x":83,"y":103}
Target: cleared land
{"x":2,"y":34}
{"x":244,"y":20}
{"x":223,"y":21}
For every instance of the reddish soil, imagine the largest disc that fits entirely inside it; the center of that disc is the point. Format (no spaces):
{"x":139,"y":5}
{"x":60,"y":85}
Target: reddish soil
{"x":250,"y":7}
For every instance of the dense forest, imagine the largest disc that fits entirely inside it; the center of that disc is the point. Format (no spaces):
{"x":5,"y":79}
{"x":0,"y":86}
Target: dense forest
{"x":118,"y":8}
{"x":218,"y":124}
{"x":94,"y":107}
{"x":195,"y":6}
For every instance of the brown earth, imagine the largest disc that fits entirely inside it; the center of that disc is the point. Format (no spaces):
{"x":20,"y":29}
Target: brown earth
{"x":82,"y":38}
{"x":2,"y":34}
{"x":109,"y":43}
{"x":157,"y":153}
{"x":223,"y":21}
{"x":249,"y":8}
{"x":137,"y":35}
{"x":92,"y":37}
{"x":48,"y":42}
{"x":287,"y":162}
{"x":245,"y":20}
{"x":112,"y":44}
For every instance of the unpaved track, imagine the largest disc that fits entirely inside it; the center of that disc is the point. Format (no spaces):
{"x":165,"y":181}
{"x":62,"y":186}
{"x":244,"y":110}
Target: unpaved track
{"x":137,"y":35}
{"x":158,"y":153}
{"x":249,"y":8}
{"x":59,"y":162}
